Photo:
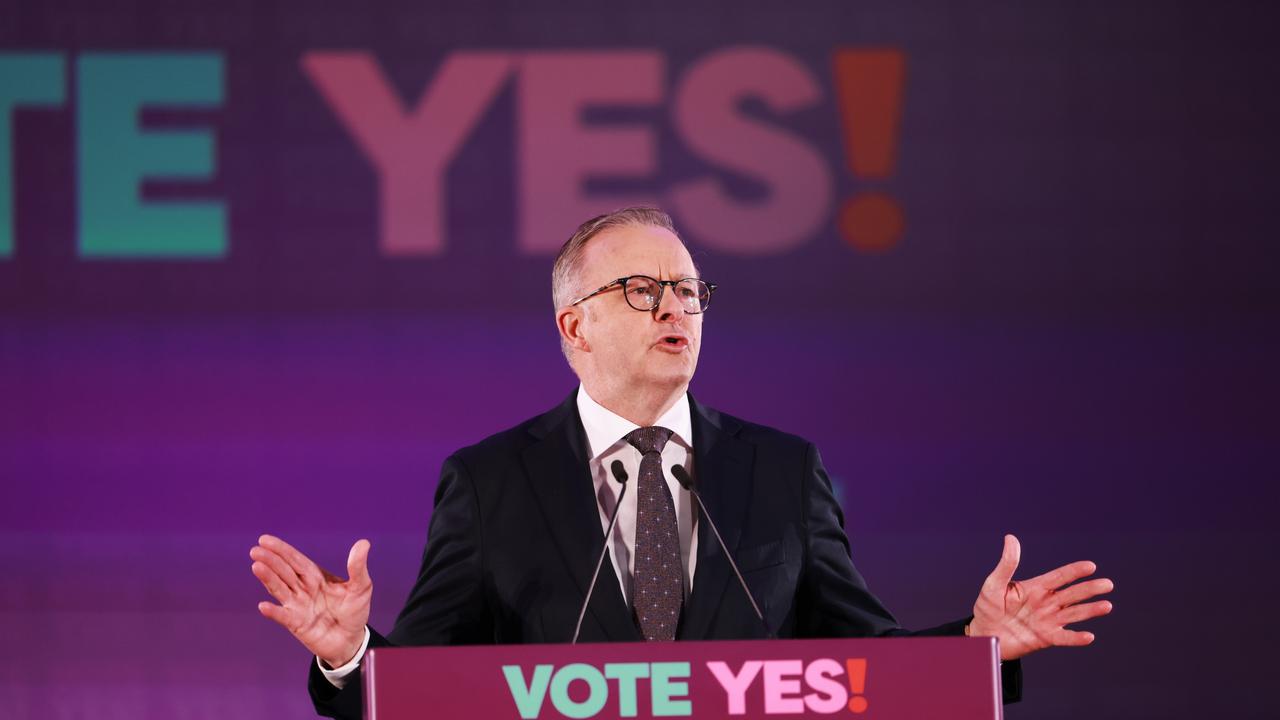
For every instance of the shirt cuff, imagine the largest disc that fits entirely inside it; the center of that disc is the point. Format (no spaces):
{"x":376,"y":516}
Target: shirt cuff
{"x":337,"y":677}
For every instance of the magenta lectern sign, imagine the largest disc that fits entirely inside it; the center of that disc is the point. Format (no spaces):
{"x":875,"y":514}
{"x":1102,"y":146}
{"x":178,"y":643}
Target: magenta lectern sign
{"x":879,"y":679}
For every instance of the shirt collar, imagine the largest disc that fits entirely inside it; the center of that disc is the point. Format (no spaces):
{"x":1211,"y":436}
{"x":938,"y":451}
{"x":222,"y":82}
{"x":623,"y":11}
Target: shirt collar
{"x":605,"y":428}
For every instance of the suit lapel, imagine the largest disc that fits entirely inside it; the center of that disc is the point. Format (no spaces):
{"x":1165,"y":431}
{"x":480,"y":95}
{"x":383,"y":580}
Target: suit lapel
{"x":723,"y":473}
{"x":557,"y":467}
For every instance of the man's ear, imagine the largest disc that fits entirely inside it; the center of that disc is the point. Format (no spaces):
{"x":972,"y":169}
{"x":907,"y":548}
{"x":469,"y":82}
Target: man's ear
{"x":569,"y":322}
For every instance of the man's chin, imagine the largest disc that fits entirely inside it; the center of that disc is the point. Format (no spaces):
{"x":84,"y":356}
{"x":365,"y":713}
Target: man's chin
{"x":672,"y":374}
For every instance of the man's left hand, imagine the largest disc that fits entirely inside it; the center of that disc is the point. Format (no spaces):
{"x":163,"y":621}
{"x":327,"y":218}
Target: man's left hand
{"x":1029,"y":615}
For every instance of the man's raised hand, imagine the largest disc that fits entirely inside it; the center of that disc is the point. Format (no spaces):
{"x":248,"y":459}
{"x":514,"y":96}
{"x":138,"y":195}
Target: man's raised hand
{"x":1028,"y":615}
{"x":326,"y":613}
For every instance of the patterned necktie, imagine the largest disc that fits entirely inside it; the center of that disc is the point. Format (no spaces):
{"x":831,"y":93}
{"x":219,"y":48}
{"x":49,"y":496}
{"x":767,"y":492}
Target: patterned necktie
{"x":659,"y":578}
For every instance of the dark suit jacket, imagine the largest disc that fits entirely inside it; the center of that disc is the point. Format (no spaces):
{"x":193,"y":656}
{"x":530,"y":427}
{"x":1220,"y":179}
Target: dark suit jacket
{"x":516,"y":531}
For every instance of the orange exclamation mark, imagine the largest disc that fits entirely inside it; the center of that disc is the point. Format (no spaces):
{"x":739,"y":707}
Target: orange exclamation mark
{"x":869,"y":92}
{"x":857,"y":683}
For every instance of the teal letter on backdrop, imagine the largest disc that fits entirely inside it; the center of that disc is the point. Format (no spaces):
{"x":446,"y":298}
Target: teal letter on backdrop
{"x":597,"y":691}
{"x":670,"y":696}
{"x":116,"y":155}
{"x":25,"y":79}
{"x":528,"y":698}
{"x":626,"y":674}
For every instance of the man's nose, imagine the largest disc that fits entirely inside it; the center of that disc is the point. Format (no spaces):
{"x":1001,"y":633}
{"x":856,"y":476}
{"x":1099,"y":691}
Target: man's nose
{"x":669,"y":308}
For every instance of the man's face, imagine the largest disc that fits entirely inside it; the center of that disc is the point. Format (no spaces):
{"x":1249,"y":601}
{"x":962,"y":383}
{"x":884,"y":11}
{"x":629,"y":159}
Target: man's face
{"x":628,"y":348}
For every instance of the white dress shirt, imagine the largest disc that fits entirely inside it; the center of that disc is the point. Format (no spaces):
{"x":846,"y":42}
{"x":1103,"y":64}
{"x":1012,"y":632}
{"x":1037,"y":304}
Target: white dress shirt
{"x":606,"y":441}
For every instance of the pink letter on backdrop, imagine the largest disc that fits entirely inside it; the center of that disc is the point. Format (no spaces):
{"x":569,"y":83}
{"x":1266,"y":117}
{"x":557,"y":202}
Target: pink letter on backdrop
{"x":830,"y":695}
{"x":781,"y":679}
{"x":735,"y":686}
{"x":707,"y":118}
{"x":410,"y":150}
{"x":558,"y":153}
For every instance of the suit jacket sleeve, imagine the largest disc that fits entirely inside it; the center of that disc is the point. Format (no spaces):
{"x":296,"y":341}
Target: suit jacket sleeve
{"x":833,"y":599}
{"x":447,"y":603}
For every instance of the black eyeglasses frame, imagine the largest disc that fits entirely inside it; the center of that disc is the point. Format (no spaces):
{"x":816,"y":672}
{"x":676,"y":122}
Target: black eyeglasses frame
{"x":662,"y":288}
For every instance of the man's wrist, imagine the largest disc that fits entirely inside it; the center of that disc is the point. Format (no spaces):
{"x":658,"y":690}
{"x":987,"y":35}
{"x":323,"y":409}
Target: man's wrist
{"x":355,"y":653}
{"x":337,"y":674}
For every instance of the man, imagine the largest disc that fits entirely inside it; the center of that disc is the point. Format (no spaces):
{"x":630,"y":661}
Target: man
{"x":520,"y":517}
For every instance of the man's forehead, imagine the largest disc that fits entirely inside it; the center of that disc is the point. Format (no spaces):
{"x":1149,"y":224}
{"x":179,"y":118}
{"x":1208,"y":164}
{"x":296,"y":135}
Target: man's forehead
{"x":638,"y":249}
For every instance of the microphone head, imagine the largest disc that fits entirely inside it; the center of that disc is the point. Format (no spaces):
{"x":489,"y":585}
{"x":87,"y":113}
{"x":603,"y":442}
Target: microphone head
{"x":682,"y":476}
{"x":619,"y":473}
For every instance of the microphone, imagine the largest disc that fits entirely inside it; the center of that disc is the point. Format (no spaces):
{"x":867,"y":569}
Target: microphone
{"x":620,"y":475}
{"x":682,"y":476}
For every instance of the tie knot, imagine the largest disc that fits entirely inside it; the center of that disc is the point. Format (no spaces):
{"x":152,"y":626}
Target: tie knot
{"x":649,"y":439}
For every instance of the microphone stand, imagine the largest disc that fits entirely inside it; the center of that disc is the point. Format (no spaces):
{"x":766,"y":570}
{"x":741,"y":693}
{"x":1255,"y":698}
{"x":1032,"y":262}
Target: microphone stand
{"x":682,"y":476}
{"x":620,"y":475}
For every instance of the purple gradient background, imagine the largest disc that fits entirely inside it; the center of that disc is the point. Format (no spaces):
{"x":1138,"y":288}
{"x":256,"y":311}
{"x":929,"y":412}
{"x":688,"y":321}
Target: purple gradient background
{"x":1076,"y":342}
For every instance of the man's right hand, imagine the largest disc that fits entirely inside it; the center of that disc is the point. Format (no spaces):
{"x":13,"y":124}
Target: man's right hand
{"x":326,"y":613}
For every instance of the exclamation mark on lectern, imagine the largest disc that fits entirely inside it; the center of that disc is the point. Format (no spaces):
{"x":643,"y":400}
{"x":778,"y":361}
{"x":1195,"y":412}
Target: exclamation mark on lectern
{"x":868,"y":87}
{"x":857,"y":683}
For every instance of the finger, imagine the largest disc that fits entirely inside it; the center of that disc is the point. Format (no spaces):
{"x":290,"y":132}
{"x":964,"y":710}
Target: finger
{"x":1065,"y":575}
{"x":278,"y":614}
{"x":302,"y":565}
{"x":1000,"y":577}
{"x":1084,"y":611}
{"x":1080,"y":592}
{"x":278,"y":566}
{"x":1071,"y":638}
{"x":358,"y":564}
{"x":272,"y":582}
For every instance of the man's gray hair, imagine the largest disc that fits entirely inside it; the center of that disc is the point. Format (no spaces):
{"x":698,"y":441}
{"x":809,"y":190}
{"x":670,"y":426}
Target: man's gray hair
{"x":564,"y":274}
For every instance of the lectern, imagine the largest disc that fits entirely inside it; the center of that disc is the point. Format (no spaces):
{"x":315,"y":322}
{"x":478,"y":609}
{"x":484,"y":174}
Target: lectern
{"x":864,"y":679}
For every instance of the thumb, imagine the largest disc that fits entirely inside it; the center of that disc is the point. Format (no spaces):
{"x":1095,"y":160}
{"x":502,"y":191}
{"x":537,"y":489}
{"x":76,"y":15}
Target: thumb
{"x":1003,"y":573}
{"x":358,"y":563}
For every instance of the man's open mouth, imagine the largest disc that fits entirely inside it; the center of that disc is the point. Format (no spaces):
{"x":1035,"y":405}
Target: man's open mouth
{"x":674,"y":342}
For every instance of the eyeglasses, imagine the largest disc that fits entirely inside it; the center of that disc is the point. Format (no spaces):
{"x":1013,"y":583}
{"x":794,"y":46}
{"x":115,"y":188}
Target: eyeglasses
{"x":644,"y":293}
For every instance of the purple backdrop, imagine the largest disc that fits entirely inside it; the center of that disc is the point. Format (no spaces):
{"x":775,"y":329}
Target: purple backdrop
{"x":1073,"y":340}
